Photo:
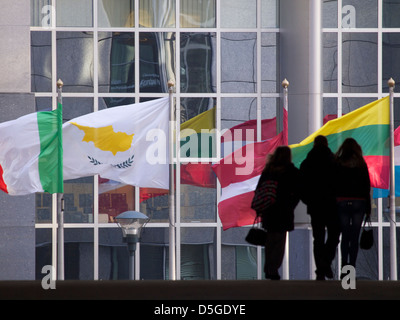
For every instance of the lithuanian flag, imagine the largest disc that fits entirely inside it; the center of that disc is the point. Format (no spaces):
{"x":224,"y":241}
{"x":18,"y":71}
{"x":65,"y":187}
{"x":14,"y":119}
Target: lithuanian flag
{"x":369,"y":126}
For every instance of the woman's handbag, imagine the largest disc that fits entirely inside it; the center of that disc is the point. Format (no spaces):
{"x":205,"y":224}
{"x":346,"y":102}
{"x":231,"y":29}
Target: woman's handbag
{"x":256,"y":236}
{"x":367,"y":235}
{"x":264,"y":195}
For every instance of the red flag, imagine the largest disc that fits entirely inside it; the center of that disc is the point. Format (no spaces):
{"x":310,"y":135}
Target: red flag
{"x":238,"y":174}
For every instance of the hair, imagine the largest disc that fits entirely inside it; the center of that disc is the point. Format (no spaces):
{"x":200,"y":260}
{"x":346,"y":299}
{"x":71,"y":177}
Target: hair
{"x":281,"y":158}
{"x":320,"y":141}
{"x":350,"y":154}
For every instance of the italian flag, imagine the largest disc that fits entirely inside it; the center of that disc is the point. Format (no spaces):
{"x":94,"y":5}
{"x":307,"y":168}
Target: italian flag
{"x":370,"y":127}
{"x":31,"y":156}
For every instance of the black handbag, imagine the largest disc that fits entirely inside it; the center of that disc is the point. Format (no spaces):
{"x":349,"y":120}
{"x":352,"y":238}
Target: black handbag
{"x":367,"y":235}
{"x":256,"y":235}
{"x":264,"y":195}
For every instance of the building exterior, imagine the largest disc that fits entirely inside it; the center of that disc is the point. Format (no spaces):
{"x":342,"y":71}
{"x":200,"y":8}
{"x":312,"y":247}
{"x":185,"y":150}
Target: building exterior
{"x":227,"y":54}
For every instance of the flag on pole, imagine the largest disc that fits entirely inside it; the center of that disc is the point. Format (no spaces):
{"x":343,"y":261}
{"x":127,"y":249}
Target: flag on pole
{"x":31,"y":155}
{"x":370,"y":127}
{"x":238,"y":174}
{"x":128,"y":144}
{"x":383,"y":193}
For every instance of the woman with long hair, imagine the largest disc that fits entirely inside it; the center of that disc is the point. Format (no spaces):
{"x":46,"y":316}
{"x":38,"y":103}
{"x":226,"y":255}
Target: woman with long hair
{"x":352,"y":187}
{"x":278,"y":219}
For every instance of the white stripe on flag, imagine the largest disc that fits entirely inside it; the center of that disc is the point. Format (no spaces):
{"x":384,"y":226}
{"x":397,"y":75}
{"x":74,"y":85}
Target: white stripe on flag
{"x":237,"y":188}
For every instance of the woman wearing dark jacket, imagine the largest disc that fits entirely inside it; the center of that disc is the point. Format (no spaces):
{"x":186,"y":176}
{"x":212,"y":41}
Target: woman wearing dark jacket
{"x":279,"y":217}
{"x":352,"y":185}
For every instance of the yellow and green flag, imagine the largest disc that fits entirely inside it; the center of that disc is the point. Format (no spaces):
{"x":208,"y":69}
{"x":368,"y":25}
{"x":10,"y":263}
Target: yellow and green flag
{"x":370,"y":127}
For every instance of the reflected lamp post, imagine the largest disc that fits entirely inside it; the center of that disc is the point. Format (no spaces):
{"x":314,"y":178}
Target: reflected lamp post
{"x":131,"y":223}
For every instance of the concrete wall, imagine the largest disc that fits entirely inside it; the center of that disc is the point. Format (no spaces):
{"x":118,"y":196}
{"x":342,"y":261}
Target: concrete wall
{"x":17,"y":213}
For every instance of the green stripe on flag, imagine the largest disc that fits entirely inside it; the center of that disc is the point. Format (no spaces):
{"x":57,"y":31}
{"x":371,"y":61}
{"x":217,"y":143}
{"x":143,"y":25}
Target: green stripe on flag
{"x":373,"y":139}
{"x":51,"y":153}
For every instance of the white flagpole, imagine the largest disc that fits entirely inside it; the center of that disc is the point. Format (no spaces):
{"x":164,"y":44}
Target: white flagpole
{"x":285,"y":265}
{"x":172,"y":245}
{"x":60,"y":213}
{"x":393,"y":258}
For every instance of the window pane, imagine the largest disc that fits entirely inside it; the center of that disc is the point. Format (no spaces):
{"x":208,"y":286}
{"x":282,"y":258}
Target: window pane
{"x":157,"y":61}
{"x":390,"y":13}
{"x":269,"y":63}
{"x":116,"y":62}
{"x":78,"y":254}
{"x":43,"y":208}
{"x":43,"y":255}
{"x":41,"y":13}
{"x":330,"y":59}
{"x":75,"y":61}
{"x":114,"y":198}
{"x":198,"y":204}
{"x":360,"y":13}
{"x":360,"y":63}
{"x":197,"y":62}
{"x":329,"y":13}
{"x":74,"y":13}
{"x":237,"y":47}
{"x":238,"y":14}
{"x":157,"y":13}
{"x":41,"y":62}
{"x":197,"y":13}
{"x":390,"y":58}
{"x":269,"y":13}
{"x":154,"y":204}
{"x":116,"y":13}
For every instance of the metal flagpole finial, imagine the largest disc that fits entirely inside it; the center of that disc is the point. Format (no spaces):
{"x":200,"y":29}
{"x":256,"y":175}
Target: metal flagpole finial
{"x":59,"y":83}
{"x":285,"y":83}
{"x":171,"y":84}
{"x":391,"y":83}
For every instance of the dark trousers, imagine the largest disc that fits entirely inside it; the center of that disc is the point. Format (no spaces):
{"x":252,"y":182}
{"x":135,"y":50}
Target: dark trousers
{"x":274,"y":252}
{"x":326,"y":233}
{"x":351,"y":215}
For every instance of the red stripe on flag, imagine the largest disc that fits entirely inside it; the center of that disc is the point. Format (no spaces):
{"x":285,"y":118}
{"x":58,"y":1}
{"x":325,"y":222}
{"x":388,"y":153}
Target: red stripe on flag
{"x":379,"y":171}
{"x":3,"y":185}
{"x":236,"y":211}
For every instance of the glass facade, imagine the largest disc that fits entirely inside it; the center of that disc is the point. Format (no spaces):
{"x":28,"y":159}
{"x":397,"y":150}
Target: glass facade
{"x":224,"y":56}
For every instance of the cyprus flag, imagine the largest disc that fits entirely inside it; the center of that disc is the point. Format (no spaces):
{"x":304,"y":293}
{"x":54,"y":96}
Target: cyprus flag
{"x":128,"y":144}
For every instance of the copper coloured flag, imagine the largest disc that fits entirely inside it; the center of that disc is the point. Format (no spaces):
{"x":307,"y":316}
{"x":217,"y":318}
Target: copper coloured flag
{"x":127,"y":144}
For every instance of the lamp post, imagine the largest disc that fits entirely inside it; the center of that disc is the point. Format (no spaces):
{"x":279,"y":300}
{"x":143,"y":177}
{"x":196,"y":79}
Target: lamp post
{"x":131,"y":223}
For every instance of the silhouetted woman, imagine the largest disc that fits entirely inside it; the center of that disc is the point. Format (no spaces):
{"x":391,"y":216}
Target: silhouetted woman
{"x":352,"y":185}
{"x":279,"y":218}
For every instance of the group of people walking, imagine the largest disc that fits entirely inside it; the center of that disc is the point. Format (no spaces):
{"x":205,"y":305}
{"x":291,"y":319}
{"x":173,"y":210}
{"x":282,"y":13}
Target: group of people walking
{"x":336,"y":191}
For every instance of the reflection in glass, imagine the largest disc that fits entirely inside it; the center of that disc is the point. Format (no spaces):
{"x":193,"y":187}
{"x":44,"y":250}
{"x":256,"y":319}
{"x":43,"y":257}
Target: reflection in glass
{"x":390,"y":58}
{"x":41,"y":13}
{"x":157,"y":13}
{"x":114,"y":198}
{"x":78,"y":200}
{"x":270,"y":13}
{"x":238,"y":14}
{"x":116,"y":13}
{"x":197,"y":14}
{"x":74,"y":13}
{"x":239,"y":50}
{"x":116,"y":62}
{"x":269,"y":62}
{"x":154,"y":204}
{"x":364,"y":12}
{"x":237,"y":110}
{"x":79,"y":253}
{"x":43,"y":205}
{"x":360,"y":63}
{"x":197,"y":62}
{"x":330,"y":56}
{"x":351,"y":104}
{"x":198,"y":203}
{"x":41,"y":61}
{"x":390,"y":12}
{"x":157,"y":56}
{"x":43,"y":254}
{"x":329,"y":13}
{"x":75,"y":61}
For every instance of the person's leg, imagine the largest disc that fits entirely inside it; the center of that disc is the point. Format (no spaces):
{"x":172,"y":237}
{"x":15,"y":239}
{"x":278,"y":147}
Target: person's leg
{"x":344,"y":222}
{"x":318,"y":231}
{"x":274,"y":252}
{"x":357,"y":217}
{"x":333,"y":230}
